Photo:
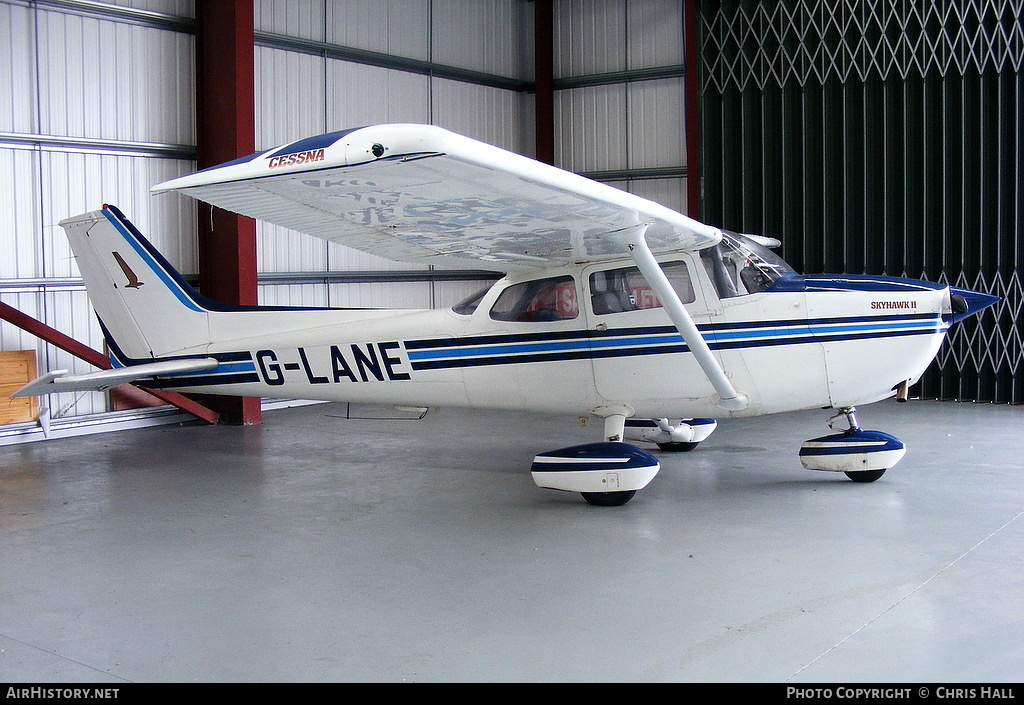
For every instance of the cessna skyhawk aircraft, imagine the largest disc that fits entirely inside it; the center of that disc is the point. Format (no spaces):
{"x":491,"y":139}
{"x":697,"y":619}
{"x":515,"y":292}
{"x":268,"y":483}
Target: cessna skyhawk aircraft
{"x":611,"y":306}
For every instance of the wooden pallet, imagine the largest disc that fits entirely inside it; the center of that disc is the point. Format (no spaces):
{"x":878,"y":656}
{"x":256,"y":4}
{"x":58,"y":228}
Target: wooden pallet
{"x":17,"y":368}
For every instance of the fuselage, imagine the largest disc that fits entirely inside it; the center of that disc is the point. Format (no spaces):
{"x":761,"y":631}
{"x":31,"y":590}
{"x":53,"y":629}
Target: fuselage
{"x":587,"y":338}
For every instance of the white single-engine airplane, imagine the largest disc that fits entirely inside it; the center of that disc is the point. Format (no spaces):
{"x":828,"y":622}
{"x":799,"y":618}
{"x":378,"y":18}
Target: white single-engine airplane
{"x":612,"y":306}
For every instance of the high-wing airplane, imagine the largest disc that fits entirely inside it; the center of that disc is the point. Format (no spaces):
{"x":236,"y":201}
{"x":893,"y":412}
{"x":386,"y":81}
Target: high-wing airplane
{"x":611,"y":306}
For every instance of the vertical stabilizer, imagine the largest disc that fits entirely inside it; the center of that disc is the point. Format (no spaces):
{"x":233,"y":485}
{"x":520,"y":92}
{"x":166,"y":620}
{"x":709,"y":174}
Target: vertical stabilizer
{"x":145,"y":306}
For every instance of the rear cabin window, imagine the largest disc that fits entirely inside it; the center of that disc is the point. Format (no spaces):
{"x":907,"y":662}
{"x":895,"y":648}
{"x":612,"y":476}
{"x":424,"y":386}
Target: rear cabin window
{"x":551,"y":299}
{"x":619,"y":290}
{"x":467,"y":307}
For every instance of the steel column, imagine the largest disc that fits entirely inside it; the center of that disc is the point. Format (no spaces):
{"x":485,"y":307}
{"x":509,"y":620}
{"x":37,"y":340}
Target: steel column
{"x":544,"y":91}
{"x":225,"y":127}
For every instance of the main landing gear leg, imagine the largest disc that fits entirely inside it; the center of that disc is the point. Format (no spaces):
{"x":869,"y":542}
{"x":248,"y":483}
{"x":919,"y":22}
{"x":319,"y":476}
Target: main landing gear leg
{"x":614,"y":428}
{"x":670,"y":435}
{"x":863,"y":456}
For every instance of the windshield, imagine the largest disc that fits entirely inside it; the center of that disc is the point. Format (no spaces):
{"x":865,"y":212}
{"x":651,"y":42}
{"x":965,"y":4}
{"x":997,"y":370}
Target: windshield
{"x":739,"y":266}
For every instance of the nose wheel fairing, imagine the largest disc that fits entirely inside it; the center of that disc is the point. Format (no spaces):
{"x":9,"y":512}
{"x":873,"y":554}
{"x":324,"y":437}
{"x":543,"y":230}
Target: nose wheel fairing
{"x":863,"y":455}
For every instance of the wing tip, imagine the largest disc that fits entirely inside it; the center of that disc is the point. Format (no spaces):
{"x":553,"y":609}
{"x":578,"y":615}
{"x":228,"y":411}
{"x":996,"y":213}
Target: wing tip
{"x":337,"y":148}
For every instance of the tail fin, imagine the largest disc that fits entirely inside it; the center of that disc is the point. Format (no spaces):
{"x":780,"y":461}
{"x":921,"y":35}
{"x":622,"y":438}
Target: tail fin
{"x":146,"y":308}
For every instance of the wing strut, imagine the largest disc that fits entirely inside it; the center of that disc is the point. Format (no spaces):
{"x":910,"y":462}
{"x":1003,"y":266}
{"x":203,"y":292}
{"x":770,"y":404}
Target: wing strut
{"x":635,"y":241}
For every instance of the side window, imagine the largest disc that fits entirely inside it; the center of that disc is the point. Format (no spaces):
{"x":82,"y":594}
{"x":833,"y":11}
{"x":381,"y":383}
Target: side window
{"x":551,"y":299}
{"x":618,"y":290}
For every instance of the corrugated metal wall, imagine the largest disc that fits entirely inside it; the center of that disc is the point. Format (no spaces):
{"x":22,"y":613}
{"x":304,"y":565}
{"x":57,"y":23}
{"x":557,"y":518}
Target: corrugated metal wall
{"x":878,"y":137}
{"x":95,"y":106}
{"x":324,"y":66}
{"x":618,"y":68}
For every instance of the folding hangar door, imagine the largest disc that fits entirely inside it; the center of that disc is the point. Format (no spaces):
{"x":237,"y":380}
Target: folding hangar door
{"x":877,"y":137}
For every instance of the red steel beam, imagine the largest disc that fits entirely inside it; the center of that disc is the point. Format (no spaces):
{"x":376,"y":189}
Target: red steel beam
{"x":226,"y":130}
{"x":56,"y":338}
{"x":544,"y":81}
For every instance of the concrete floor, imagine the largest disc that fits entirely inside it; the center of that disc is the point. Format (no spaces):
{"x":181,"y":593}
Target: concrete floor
{"x":317,"y":547}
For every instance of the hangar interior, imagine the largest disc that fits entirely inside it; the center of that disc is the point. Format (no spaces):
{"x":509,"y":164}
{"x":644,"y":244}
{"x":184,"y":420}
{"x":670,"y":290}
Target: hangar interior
{"x":336,"y":542}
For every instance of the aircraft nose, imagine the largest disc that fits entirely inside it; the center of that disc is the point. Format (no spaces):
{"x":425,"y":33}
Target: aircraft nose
{"x":966,"y":302}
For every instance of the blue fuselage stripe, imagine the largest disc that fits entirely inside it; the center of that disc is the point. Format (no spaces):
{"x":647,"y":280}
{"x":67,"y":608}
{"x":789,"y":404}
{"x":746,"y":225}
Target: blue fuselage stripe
{"x":426,"y":355}
{"x":526,"y":348}
{"x":436,"y":354}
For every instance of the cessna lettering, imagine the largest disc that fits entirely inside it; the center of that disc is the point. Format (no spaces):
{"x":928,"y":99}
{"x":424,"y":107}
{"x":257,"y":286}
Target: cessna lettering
{"x":312,"y":155}
{"x":349,"y":363}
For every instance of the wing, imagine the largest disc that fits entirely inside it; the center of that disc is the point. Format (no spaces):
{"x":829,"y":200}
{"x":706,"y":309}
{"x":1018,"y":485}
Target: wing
{"x":419,"y":193}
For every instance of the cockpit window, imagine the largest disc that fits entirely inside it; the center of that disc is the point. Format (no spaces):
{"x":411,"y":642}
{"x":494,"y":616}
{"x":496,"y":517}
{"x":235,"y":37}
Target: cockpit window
{"x":618,"y":290}
{"x":738,"y":266}
{"x":551,"y":299}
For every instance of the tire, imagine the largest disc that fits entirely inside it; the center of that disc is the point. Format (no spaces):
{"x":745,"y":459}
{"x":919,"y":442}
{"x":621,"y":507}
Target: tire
{"x":608,"y":499}
{"x":865,"y":475}
{"x":677,"y":447}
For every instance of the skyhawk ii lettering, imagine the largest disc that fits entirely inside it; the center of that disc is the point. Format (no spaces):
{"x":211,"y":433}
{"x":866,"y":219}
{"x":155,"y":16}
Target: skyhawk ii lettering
{"x":892,"y":305}
{"x":609,"y":305}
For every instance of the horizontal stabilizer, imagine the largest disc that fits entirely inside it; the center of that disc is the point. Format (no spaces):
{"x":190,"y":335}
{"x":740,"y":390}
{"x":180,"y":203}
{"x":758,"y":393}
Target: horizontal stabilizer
{"x":61,"y":381}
